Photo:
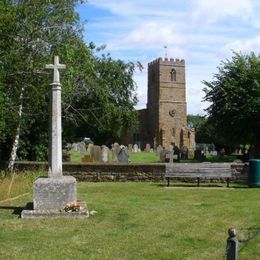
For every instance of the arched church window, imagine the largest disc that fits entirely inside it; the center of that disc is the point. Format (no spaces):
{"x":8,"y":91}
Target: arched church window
{"x":173,"y":75}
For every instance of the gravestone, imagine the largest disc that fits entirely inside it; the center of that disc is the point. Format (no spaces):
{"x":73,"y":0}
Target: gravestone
{"x":159,"y":149}
{"x":104,"y":153}
{"x":135,"y":148}
{"x":163,"y":155}
{"x":115,"y":152}
{"x":52,"y":193}
{"x":74,"y":147}
{"x":148,"y":148}
{"x":90,"y":150}
{"x":97,"y":153}
{"x":117,"y":148}
{"x":81,"y":148}
{"x":130,"y":148}
{"x":123,"y":156}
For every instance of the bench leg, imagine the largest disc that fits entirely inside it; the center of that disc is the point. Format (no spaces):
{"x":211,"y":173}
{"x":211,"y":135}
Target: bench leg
{"x":168,"y":181}
{"x":228,"y":182}
{"x":198,"y":181}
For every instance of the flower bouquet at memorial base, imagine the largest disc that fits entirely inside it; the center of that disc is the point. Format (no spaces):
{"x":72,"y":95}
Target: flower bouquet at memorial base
{"x":72,"y":207}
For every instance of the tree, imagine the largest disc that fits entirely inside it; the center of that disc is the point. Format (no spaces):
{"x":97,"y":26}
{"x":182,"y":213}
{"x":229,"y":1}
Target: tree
{"x":203,"y":130}
{"x":31,"y":32}
{"x":235,"y":100}
{"x":108,"y":102}
{"x":97,"y":91}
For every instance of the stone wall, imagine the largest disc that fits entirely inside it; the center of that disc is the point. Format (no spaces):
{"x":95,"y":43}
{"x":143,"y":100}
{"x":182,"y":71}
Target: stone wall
{"x":98,"y":172}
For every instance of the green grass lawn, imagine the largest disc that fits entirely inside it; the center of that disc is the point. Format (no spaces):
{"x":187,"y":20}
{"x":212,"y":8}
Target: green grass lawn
{"x":137,"y":221}
{"x":144,"y":157}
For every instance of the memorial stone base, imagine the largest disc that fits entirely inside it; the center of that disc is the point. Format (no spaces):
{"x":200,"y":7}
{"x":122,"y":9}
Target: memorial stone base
{"x":50,"y":195}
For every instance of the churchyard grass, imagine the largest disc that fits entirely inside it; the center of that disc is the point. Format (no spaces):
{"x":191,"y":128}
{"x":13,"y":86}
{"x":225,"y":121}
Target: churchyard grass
{"x":144,"y":157}
{"x":137,"y":221}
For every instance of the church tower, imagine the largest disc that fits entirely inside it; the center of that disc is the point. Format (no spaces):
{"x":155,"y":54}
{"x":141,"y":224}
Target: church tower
{"x":166,"y":104}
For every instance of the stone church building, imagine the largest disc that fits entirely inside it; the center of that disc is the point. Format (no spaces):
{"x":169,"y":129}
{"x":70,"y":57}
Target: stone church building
{"x":164,"y":121}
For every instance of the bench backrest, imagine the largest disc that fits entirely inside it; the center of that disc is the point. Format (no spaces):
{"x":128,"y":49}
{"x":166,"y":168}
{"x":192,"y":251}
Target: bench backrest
{"x":198,"y":170}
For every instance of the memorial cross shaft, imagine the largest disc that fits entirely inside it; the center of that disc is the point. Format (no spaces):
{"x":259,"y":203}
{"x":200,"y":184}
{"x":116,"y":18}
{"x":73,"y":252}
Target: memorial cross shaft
{"x":55,"y":139}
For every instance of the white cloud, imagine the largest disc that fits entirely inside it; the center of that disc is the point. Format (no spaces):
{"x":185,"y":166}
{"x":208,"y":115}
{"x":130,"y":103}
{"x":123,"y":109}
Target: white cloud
{"x":207,"y":12}
{"x":247,"y":46}
{"x":154,"y":33}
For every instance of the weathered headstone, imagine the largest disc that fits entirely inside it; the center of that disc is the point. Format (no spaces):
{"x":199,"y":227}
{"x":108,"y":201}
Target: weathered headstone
{"x":123,"y":156}
{"x":90,"y":150}
{"x":117,"y":148}
{"x":81,"y":148}
{"x":74,"y":147}
{"x":104,"y":153}
{"x":135,"y":148}
{"x":163,"y":155}
{"x":97,"y":153}
{"x":115,"y":152}
{"x":148,"y":148}
{"x":159,"y":149}
{"x":52,"y":193}
{"x":130,"y":148}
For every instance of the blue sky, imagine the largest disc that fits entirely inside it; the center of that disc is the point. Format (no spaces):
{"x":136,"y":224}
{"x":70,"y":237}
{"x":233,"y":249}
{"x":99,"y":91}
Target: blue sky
{"x":203,"y":32}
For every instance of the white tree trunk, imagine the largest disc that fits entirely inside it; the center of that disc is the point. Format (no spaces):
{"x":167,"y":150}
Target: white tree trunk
{"x":17,"y":135}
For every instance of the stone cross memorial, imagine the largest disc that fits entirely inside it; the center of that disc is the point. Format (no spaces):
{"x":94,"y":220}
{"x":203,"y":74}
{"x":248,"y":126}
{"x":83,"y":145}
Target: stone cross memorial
{"x":55,"y":143}
{"x":50,"y":195}
{"x":171,"y":156}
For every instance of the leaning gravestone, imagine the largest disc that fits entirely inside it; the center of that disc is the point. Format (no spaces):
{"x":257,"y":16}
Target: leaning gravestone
{"x":53,"y":193}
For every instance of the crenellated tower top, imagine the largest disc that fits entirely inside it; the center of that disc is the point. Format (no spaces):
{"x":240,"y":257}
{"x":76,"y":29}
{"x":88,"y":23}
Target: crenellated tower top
{"x":166,"y":61}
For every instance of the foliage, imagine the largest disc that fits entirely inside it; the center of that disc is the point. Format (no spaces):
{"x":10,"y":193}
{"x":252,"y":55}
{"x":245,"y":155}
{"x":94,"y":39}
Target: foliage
{"x":204,"y":131}
{"x":97,"y":92}
{"x":131,"y":219}
{"x":235,"y":100}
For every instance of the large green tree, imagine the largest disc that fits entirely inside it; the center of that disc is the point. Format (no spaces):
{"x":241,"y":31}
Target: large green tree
{"x":97,"y":91}
{"x":234,"y":95}
{"x":203,"y":130}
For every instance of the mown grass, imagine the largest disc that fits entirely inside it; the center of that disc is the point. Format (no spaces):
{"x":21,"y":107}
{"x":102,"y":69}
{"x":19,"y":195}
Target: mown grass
{"x":144,"y":157}
{"x":137,"y":221}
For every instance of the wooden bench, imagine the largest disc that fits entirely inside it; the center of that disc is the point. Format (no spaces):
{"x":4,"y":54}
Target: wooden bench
{"x":198,"y":170}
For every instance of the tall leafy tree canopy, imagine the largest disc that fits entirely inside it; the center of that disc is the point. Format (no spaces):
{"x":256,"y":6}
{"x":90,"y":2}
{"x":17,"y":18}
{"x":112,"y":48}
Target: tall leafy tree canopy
{"x":98,"y":92}
{"x":235,"y":100}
